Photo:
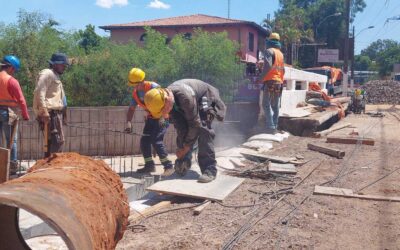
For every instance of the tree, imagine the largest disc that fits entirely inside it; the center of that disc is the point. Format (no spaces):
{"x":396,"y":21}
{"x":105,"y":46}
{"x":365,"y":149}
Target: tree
{"x":98,"y":74}
{"x":298,"y":20}
{"x":33,"y":38}
{"x":385,"y":53}
{"x":362,"y":63}
{"x":89,"y":40}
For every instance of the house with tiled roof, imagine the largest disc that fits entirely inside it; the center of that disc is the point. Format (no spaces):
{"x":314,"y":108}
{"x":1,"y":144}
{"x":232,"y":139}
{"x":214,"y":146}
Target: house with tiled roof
{"x":249,"y":35}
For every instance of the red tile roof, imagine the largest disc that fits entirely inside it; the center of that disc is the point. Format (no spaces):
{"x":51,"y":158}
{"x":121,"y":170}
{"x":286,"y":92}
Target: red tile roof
{"x":192,"y":20}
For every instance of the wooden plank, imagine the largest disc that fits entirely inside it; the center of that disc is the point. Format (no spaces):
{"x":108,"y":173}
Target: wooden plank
{"x":4,"y":164}
{"x":332,"y":191}
{"x":282,"y":168}
{"x":279,"y":159}
{"x":329,"y":151}
{"x":351,"y":140}
{"x":330,"y":130}
{"x":199,"y":209}
{"x":188,"y":186}
{"x":136,"y":215}
{"x":348,"y":193}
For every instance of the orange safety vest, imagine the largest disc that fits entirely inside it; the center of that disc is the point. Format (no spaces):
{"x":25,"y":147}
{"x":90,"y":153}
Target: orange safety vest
{"x":277,"y":70}
{"x":147,"y":87}
{"x":5,"y":98}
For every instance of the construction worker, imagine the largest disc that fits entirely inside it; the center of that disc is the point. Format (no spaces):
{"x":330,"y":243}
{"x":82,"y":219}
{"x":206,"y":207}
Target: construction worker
{"x":49,"y":103}
{"x":154,"y":128}
{"x":191,"y":105}
{"x":10,"y":97}
{"x":272,"y":78}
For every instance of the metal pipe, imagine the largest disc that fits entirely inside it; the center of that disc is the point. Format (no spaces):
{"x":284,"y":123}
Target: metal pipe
{"x":80,"y":198}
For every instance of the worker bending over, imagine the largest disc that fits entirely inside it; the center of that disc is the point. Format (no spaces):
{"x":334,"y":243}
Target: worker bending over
{"x":272,"y":79}
{"x":191,"y":106}
{"x":154,"y":127}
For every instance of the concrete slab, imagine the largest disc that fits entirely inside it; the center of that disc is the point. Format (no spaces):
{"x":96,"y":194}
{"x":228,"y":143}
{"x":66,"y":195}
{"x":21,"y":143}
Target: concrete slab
{"x":32,"y":226}
{"x":232,"y":152}
{"x":295,"y":113}
{"x":188,"y":186}
{"x":266,"y":137}
{"x":262,"y":145}
{"x":46,"y":242}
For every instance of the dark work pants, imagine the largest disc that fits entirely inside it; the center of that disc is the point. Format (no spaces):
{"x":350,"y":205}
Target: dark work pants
{"x":155,"y":136}
{"x":55,"y":141}
{"x":206,"y":153}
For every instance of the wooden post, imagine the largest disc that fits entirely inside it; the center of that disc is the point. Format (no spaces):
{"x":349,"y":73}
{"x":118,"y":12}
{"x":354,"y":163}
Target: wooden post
{"x":351,"y":140}
{"x":4,"y":164}
{"x":330,"y":130}
{"x":136,"y":216}
{"x":199,"y":209}
{"x":329,"y":151}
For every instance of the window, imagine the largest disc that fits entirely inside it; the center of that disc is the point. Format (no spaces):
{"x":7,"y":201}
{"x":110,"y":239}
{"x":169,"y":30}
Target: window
{"x":251,"y":42}
{"x":143,"y":37}
{"x":187,"y":36}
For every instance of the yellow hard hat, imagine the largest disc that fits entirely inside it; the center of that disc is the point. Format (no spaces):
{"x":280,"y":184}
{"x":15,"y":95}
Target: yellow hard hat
{"x":274,"y":36}
{"x":135,"y":76}
{"x":154,"y":100}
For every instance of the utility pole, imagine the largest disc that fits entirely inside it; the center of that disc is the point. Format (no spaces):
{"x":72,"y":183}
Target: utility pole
{"x":352,"y":60}
{"x":346,"y":50}
{"x":229,"y":8}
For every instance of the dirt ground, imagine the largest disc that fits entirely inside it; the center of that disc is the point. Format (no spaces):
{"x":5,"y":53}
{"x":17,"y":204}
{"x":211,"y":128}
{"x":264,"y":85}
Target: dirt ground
{"x":300,"y":220}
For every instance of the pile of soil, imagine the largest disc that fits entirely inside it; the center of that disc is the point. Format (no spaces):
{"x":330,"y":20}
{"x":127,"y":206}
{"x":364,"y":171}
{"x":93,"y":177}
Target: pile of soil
{"x":383,"y":91}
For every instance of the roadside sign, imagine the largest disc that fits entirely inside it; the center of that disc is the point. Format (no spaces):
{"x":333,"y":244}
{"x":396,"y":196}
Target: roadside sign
{"x":328,"y":55}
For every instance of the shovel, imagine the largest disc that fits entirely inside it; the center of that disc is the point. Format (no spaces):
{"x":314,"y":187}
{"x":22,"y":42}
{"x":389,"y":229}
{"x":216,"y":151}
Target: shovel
{"x":46,"y":139}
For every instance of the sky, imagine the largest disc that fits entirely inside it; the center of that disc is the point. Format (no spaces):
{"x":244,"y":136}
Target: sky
{"x":76,"y":14}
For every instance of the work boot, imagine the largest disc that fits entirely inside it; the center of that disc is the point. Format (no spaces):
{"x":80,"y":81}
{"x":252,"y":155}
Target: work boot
{"x":15,"y":167}
{"x":168,"y":171}
{"x":271,"y":131}
{"x":148,"y":168}
{"x":206,"y":177}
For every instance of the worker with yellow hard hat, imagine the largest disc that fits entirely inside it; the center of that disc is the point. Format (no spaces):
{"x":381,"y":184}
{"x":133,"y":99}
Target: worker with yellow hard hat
{"x":272,"y":79}
{"x":191,"y":106}
{"x":154,"y":127}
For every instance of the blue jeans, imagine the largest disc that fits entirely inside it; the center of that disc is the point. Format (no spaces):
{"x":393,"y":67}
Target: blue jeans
{"x":155,"y":137}
{"x":271,"y":108}
{"x":7,"y":129}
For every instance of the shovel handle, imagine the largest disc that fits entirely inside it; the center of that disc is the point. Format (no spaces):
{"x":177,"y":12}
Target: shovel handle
{"x":46,"y":137}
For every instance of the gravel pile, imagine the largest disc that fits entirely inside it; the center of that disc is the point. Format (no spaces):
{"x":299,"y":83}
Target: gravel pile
{"x":382,"y":91}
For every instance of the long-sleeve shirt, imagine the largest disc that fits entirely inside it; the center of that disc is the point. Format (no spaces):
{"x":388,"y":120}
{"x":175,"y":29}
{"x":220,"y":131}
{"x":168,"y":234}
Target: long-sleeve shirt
{"x":185,"y":116}
{"x":15,"y":91}
{"x":49,"y":93}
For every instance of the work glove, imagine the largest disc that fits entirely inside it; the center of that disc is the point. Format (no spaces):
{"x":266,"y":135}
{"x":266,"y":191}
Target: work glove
{"x":128,"y":127}
{"x":164,"y":123}
{"x":181,"y":152}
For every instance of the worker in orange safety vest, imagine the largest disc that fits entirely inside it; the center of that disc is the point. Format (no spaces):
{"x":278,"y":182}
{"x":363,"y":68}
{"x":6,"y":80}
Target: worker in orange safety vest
{"x":11,"y":97}
{"x":272,"y":79}
{"x":154,"y":128}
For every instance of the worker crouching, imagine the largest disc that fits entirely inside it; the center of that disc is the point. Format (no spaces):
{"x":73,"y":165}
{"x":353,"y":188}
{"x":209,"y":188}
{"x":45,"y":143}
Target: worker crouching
{"x":154,"y":127}
{"x":191,"y":105}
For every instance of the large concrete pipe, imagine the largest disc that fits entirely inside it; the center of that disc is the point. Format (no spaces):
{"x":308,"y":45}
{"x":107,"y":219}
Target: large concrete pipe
{"x":82,"y":199}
